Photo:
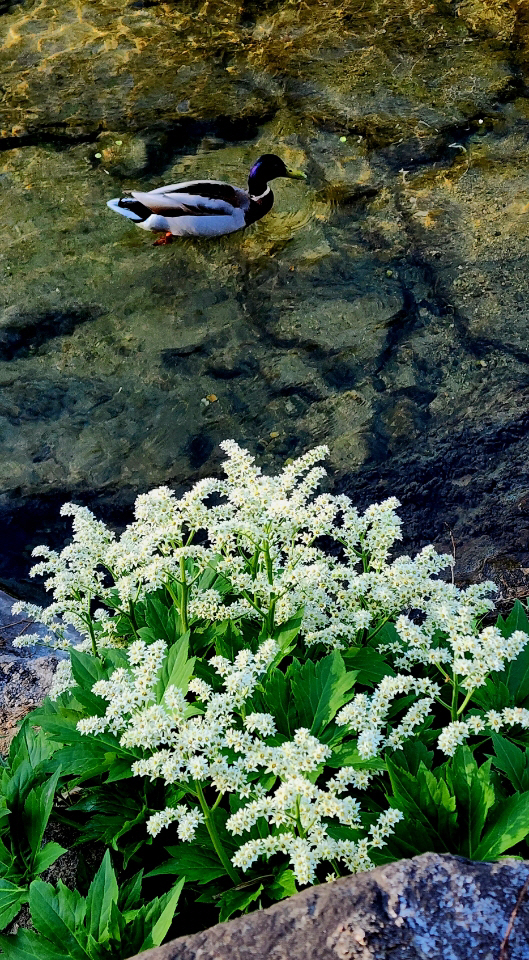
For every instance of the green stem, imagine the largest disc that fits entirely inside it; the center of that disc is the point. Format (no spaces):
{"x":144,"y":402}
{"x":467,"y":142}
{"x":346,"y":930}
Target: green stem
{"x":183,"y":595}
{"x":455,"y":697}
{"x":268,"y":561}
{"x":95,"y":651}
{"x":376,"y":630}
{"x":132,"y":618}
{"x":215,"y":839}
{"x":298,"y":820}
{"x":465,"y":701}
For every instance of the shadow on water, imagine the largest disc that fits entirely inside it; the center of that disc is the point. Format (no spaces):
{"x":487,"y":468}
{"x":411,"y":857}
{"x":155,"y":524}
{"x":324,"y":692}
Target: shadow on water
{"x":380,"y":307}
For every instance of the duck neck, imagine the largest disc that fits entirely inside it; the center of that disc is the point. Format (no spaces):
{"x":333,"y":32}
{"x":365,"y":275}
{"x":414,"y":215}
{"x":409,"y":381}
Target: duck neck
{"x":257,"y":185}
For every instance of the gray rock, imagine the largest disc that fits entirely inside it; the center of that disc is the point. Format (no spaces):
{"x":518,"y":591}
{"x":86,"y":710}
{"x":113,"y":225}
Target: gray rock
{"x":429,"y":908}
{"x":26,"y":674}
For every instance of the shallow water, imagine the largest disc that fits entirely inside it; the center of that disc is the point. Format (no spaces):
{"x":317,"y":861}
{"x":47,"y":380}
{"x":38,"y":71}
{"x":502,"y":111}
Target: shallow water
{"x":379,"y":308}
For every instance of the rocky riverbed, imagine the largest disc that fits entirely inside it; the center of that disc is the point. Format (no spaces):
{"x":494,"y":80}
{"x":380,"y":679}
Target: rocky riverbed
{"x":380,"y":308}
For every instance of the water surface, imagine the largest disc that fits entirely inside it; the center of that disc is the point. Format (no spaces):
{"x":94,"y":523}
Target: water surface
{"x":379,"y":308}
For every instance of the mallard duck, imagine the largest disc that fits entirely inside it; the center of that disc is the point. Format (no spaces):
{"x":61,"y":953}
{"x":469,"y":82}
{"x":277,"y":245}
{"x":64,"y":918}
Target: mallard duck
{"x":205,"y":208}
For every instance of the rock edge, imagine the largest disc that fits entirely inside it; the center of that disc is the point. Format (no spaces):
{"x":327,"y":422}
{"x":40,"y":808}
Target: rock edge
{"x":432,"y":907}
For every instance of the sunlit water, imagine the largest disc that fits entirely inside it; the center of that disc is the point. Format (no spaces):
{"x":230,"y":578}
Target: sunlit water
{"x":358,"y":313}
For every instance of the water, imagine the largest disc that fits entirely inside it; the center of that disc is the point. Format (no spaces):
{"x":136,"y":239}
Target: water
{"x":379,"y":308}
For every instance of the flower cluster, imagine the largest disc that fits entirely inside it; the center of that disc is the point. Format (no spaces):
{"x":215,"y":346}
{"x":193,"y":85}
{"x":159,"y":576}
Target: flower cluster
{"x":457,"y":732}
{"x":448,"y":638}
{"x":368,"y":714}
{"x":213,"y":742}
{"x":257,"y":536}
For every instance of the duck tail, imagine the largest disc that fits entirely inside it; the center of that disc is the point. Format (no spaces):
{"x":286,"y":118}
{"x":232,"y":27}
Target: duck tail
{"x":130,"y":208}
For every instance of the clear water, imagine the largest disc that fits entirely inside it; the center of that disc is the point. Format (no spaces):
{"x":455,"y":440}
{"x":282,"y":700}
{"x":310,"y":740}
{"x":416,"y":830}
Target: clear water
{"x":362,"y":312}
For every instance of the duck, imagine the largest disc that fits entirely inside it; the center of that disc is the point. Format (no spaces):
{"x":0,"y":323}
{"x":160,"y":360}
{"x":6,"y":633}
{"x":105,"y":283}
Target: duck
{"x":205,"y":208}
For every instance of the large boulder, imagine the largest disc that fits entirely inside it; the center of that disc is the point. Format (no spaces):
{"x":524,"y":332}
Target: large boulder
{"x":429,"y":908}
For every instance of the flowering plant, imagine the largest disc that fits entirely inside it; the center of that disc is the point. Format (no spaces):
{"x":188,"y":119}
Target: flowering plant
{"x":277,"y":712}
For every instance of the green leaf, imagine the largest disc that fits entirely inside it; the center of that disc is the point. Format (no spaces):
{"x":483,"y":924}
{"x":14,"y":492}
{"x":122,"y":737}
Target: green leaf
{"x":428,"y":807}
{"x":510,"y":760}
{"x":164,"y":622}
{"x":320,"y":689}
{"x":11,"y":899}
{"x":165,"y":919}
{"x":198,"y":865}
{"x":276,"y":696}
{"x":37,"y":810}
{"x":47,"y":855}
{"x":511,"y":826}
{"x":369,"y":664}
{"x":54,"y":919}
{"x":283,"y":885}
{"x":28,"y":945}
{"x":177,"y":670}
{"x":517,"y":620}
{"x":235,"y":900}
{"x":474,"y":797}
{"x":102,"y":894}
{"x":130,"y":893}
{"x":346,"y":755}
{"x":286,"y":635}
{"x":86,"y":669}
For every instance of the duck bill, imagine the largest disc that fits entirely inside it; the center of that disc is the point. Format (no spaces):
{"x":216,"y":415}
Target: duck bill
{"x":296,"y":175}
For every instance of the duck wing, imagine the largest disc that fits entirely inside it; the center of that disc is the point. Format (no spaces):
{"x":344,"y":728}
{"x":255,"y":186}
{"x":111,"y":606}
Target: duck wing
{"x":182,"y":204}
{"x":208,"y":190}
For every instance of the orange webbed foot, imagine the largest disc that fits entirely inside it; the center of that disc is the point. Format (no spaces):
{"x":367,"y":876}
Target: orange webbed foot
{"x":162,"y":241}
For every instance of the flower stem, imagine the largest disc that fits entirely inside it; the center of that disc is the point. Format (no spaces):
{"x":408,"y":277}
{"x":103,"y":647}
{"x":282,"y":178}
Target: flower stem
{"x":455,"y":697}
{"x":465,"y":701}
{"x":183,"y":595}
{"x":215,"y":839}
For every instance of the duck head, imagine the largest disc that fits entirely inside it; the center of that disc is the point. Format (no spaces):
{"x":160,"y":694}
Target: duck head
{"x":266,"y":168}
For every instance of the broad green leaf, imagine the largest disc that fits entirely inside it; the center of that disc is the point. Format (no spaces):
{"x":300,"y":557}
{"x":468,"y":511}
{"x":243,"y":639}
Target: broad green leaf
{"x":47,"y":855}
{"x":177,"y":670}
{"x":164,"y":622}
{"x":37,"y":810}
{"x":86,"y":669}
{"x":28,"y":945}
{"x":417,"y":808}
{"x":320,"y":689}
{"x":197,"y":864}
{"x":283,"y":885}
{"x":510,"y":760}
{"x":510,"y":827}
{"x":474,"y":796}
{"x":492,"y":695}
{"x":346,"y":755}
{"x":235,"y":900}
{"x":370,"y":666}
{"x":48,"y":917}
{"x":517,"y":620}
{"x":276,"y":696}
{"x":165,"y":919}
{"x":11,"y":899}
{"x":84,"y":760}
{"x":102,"y":894}
{"x":286,"y":635}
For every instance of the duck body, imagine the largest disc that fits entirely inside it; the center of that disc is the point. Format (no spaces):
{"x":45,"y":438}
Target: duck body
{"x":205,"y":208}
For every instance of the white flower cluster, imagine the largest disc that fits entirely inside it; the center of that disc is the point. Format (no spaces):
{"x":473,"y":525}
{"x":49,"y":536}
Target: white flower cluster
{"x":190,"y":744}
{"x":260,"y":533}
{"x":457,"y":732}
{"x":468,"y":655}
{"x":368,"y":714}
{"x":300,"y":808}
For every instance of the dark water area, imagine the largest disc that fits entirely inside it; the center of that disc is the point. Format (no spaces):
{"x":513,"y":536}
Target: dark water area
{"x":381,"y":307}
